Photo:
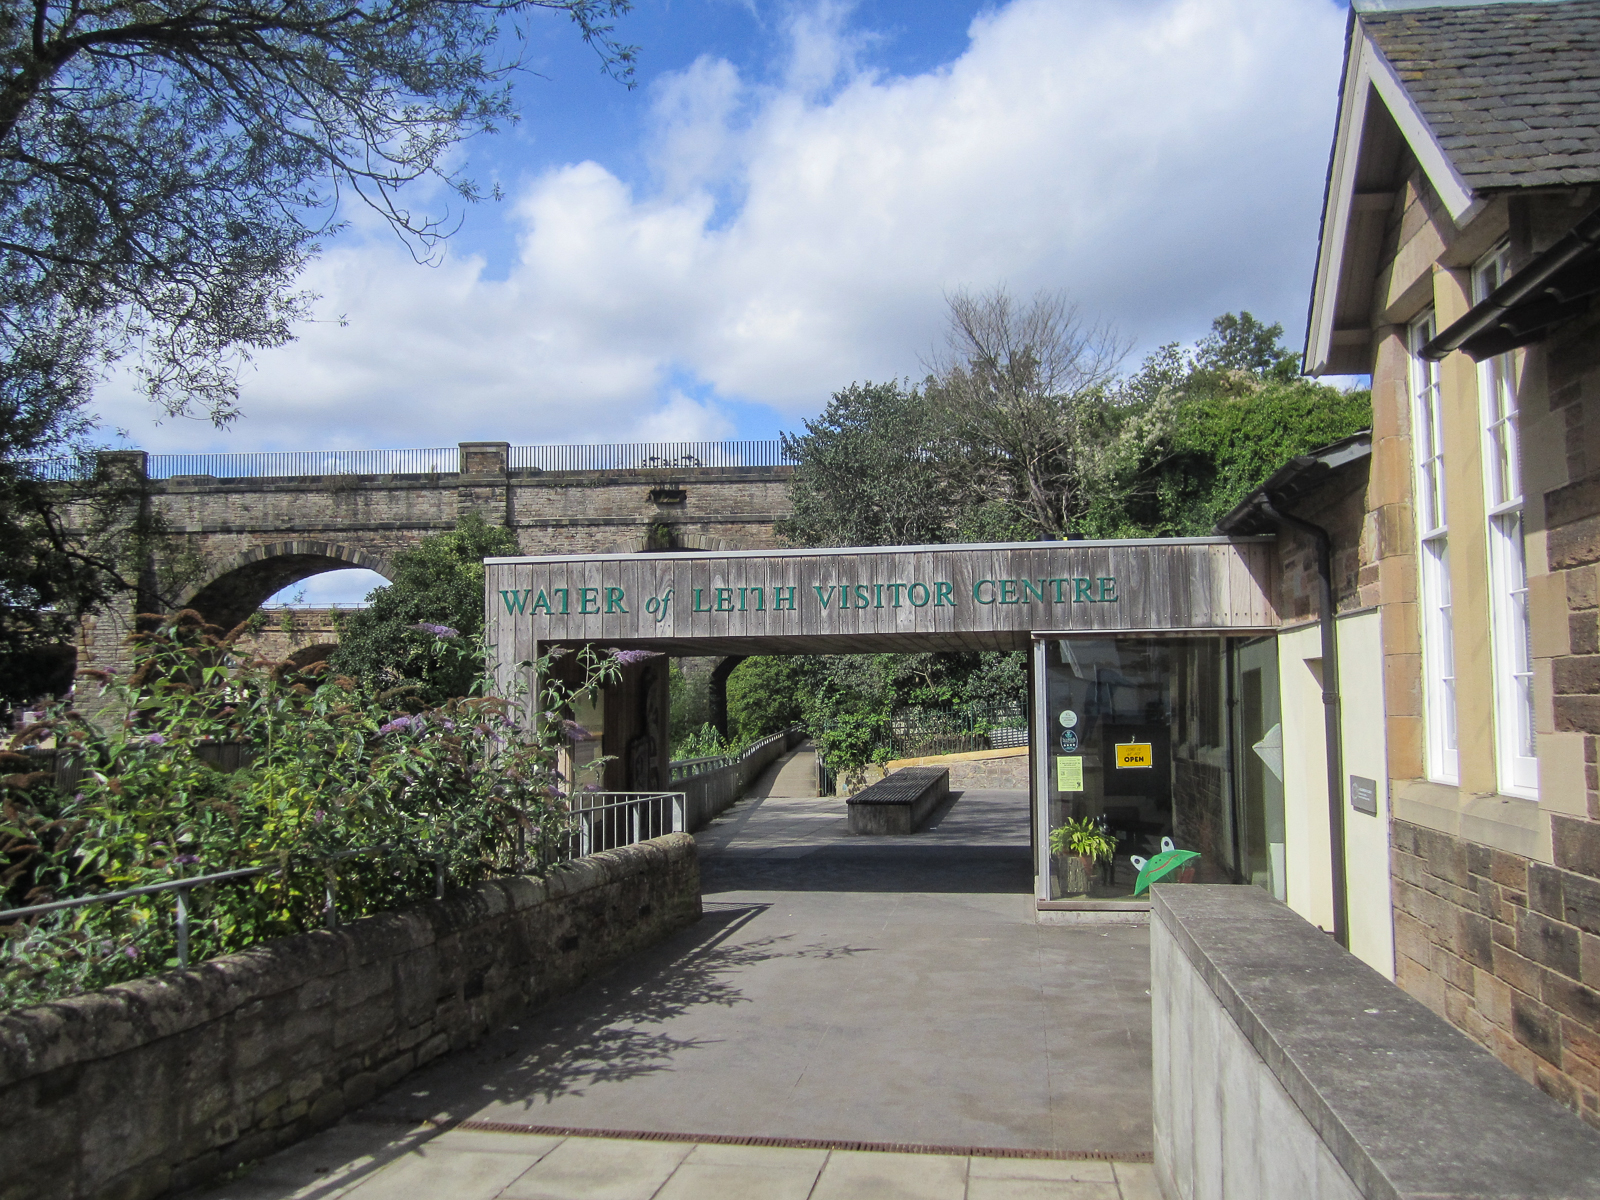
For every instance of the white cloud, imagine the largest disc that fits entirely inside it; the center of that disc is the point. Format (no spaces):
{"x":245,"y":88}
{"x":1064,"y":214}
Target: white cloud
{"x":1160,"y":160}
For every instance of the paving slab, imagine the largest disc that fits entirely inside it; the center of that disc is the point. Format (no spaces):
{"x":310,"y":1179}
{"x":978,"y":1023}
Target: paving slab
{"x":897,"y":991}
{"x":841,"y":1002}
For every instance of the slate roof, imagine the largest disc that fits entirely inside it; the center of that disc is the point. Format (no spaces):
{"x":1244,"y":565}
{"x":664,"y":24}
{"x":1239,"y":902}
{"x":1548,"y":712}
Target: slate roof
{"x":1511,"y":91}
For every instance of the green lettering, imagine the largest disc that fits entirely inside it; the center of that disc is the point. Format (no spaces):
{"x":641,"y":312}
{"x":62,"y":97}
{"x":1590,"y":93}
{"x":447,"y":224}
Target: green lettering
{"x":1008,"y":591}
{"x":1080,"y":591}
{"x":724,"y":599}
{"x":1060,"y":599}
{"x":543,"y":601}
{"x":1038,"y":592}
{"x":911,"y":595}
{"x":742,"y":591}
{"x":944,"y":593}
{"x":978,"y":585}
{"x":562,"y":592}
{"x":614,"y":600}
{"x":877,"y":595}
{"x":1108,"y":595}
{"x":780,"y":600}
{"x":815,"y":587}
{"x":761,"y":598}
{"x":586,"y":597}
{"x":520,"y":599}
{"x":894,"y":594}
{"x":698,"y":596}
{"x":861,"y":596}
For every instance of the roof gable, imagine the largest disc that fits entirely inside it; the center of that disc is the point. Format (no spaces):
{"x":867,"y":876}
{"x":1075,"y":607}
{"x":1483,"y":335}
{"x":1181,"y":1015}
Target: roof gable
{"x":1511,"y":92}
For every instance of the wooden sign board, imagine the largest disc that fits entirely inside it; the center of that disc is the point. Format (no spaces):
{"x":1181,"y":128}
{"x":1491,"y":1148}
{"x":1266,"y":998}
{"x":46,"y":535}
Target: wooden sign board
{"x":898,"y":598}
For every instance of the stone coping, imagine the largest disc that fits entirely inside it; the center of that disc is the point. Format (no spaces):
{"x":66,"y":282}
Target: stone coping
{"x":1407,"y":1104}
{"x":125,"y":1016}
{"x":933,"y":760}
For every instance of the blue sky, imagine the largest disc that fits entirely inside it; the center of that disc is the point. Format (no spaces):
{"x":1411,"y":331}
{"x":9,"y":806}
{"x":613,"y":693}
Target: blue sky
{"x":783,"y":202}
{"x":781,"y":205}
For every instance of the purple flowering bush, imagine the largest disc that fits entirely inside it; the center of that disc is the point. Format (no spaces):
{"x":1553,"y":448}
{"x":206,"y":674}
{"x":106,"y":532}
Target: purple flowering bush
{"x":329,"y":767}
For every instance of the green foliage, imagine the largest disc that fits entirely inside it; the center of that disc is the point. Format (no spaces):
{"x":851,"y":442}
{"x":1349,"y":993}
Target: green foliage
{"x":1239,"y":415}
{"x":766,"y":694}
{"x":342,"y":789}
{"x":1084,"y":836}
{"x":439,"y":583}
{"x":706,"y":742}
{"x":864,"y":474}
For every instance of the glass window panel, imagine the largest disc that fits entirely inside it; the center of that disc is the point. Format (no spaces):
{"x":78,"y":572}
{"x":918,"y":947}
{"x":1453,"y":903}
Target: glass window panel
{"x":1137,"y":749}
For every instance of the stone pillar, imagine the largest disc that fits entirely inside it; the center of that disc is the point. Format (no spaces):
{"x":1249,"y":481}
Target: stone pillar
{"x":102,"y":642}
{"x":717,"y":698}
{"x":483,"y":483}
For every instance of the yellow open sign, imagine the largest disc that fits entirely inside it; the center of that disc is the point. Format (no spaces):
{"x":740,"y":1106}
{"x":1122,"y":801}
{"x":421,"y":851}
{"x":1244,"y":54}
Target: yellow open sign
{"x":1136,"y":755}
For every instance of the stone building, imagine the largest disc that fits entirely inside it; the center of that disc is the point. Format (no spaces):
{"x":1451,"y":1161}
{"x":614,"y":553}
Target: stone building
{"x":1459,"y":258}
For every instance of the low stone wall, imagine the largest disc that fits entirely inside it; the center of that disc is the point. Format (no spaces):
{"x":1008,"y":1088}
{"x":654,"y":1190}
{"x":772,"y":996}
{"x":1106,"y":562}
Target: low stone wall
{"x":980,"y":769}
{"x":164,"y":1082}
{"x":709,"y":794}
{"x":1285,"y":1066}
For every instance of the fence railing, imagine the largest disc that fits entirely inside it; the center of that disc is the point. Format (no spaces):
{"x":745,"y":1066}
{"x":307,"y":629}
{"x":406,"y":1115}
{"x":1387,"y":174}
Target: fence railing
{"x":631,"y":456}
{"x":688,"y":768}
{"x":439,"y":460}
{"x":598,"y":821}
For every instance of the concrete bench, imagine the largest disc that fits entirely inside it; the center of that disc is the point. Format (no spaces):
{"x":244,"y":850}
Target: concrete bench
{"x":899,"y":803}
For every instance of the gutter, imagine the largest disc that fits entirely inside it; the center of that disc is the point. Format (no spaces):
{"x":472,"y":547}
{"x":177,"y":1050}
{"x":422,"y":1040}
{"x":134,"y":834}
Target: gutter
{"x":1332,"y":714}
{"x":1526,"y":285}
{"x":1268,"y":505}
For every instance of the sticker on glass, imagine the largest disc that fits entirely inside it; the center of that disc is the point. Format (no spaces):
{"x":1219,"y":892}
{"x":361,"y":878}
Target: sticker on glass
{"x":1069,"y":741}
{"x":1068,"y":718}
{"x":1069,"y":774}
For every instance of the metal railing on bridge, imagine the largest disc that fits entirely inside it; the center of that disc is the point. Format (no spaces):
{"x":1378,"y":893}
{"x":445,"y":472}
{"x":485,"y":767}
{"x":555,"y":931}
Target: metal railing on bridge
{"x":598,"y":821}
{"x":438,"y":460}
{"x":635,"y":456}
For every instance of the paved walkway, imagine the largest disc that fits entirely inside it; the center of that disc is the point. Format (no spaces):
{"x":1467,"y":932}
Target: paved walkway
{"x":795,"y":774}
{"x":428,"y":1164}
{"x":892,"y":991}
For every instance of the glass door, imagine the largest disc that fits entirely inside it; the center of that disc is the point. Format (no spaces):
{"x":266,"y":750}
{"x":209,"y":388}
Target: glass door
{"x":1136,"y":758}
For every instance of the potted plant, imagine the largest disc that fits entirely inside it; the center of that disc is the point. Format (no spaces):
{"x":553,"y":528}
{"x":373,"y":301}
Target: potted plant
{"x":1078,"y":845}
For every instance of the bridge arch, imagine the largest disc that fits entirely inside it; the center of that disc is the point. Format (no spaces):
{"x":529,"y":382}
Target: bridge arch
{"x":247,"y":580}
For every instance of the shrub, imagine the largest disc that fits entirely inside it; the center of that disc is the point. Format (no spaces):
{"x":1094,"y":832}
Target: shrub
{"x":358,"y":800}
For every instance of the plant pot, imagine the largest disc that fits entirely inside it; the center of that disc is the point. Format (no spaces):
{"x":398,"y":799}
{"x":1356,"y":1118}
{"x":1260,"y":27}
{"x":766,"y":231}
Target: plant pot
{"x":1075,"y":872}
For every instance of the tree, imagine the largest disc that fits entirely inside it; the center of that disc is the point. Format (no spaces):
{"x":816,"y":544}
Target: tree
{"x":1239,"y":413}
{"x":865,"y":473}
{"x":166,"y":168}
{"x":438,"y":585}
{"x":167,"y":165}
{"x":1022,"y":392}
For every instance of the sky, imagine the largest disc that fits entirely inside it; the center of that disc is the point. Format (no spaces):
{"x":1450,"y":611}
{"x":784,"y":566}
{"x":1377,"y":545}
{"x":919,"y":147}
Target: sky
{"x":781,"y":207}
{"x":782,"y":204}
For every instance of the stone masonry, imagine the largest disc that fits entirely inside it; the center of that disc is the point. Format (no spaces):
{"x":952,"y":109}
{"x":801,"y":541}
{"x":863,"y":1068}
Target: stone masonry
{"x":1507,"y":950}
{"x":164,"y":1082}
{"x":240,"y":540}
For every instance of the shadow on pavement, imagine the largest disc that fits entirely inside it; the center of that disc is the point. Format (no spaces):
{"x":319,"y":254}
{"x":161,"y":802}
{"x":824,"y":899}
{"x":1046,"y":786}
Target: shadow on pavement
{"x":595,"y":1035}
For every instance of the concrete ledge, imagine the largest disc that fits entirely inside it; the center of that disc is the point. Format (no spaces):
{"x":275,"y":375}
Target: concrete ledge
{"x":1286,"y":1066}
{"x":162,"y":1083}
{"x":900,"y":803}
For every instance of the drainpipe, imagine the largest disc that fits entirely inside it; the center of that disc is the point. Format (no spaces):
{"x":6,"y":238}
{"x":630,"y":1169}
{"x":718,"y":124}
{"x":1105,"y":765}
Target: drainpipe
{"x":1331,"y":718}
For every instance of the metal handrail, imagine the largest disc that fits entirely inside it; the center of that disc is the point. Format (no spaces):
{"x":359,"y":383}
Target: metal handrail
{"x":722,"y":760}
{"x":580,"y":842}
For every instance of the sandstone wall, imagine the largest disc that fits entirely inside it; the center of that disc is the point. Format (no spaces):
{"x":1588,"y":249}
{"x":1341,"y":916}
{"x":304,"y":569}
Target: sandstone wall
{"x":164,"y":1082}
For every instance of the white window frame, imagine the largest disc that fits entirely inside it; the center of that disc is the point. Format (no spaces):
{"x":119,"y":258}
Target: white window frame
{"x":1433,"y":559}
{"x":1516,"y":751}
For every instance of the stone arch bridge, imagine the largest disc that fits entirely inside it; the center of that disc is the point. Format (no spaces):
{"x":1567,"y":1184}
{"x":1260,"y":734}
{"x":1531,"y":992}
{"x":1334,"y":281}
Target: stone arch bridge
{"x":248,"y":525}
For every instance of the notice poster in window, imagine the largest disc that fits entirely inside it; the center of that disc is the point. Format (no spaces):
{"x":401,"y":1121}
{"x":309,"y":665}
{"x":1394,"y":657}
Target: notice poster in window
{"x":1135,"y":756}
{"x":1069,"y":774}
